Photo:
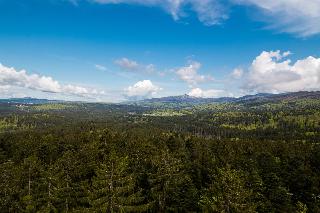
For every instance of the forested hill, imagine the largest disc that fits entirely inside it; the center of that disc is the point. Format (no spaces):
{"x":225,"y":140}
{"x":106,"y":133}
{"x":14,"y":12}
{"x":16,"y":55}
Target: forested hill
{"x":186,"y":100}
{"x":189,"y":100}
{"x":256,"y":153}
{"x":27,"y":100}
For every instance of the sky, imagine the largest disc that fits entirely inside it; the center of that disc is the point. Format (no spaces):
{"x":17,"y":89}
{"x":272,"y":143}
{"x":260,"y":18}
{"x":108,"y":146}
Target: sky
{"x":120,"y":50}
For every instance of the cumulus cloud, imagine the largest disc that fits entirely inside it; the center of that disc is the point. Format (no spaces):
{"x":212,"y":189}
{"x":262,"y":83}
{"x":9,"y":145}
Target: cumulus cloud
{"x":127,"y":64}
{"x":190,"y":74}
{"x":142,"y":89}
{"x":273,"y":72}
{"x":9,"y":77}
{"x":211,"y":93}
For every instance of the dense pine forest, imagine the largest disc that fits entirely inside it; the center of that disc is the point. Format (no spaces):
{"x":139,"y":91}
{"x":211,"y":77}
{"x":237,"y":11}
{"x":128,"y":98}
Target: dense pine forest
{"x":252,"y":154}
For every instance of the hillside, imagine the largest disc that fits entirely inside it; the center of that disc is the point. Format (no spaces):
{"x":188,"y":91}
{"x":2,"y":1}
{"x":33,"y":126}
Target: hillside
{"x":188,"y":101}
{"x":261,"y":151}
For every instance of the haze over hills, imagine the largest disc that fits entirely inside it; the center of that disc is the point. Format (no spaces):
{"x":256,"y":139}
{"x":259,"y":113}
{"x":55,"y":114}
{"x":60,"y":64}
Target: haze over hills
{"x":28,"y":100}
{"x":260,"y":97}
{"x":189,"y":100}
{"x":300,"y":94}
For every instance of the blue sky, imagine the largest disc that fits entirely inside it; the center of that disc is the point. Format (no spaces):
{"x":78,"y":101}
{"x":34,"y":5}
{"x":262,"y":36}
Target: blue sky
{"x":116,"y":50}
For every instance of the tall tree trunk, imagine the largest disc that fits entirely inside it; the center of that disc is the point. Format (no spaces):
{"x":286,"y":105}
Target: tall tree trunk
{"x":111,"y":188}
{"x":29,"y":181}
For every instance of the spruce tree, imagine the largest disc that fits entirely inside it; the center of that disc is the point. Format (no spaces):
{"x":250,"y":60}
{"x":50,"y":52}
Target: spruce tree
{"x":114,"y":187}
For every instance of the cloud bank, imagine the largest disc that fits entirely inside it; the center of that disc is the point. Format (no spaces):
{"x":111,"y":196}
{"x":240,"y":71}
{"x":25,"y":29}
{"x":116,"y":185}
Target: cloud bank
{"x":270,"y":72}
{"x":9,"y":77}
{"x":273,"y":72}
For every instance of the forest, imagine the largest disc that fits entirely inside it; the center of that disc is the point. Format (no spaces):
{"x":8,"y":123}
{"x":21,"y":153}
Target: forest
{"x":252,"y":154}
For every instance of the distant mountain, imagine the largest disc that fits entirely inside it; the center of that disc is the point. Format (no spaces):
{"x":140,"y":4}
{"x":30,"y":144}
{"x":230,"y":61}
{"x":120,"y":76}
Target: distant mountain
{"x":266,"y":97}
{"x":186,"y":100}
{"x":27,"y":100}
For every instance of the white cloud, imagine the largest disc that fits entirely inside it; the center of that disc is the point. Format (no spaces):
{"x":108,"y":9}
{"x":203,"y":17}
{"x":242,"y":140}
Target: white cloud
{"x":209,"y":12}
{"x":9,"y":77}
{"x":142,"y":89}
{"x":100,"y":67}
{"x":4,"y":89}
{"x":211,"y":93}
{"x":237,"y":73}
{"x":150,"y":68}
{"x":301,"y":17}
{"x":190,"y":74}
{"x":272,"y":72}
{"x":127,"y":64}
{"x":77,"y":90}
{"x":131,"y":65}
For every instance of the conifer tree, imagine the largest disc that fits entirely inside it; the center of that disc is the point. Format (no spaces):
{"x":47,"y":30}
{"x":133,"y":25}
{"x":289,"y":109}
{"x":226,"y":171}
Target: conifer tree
{"x":114,"y":187}
{"x":227,"y":193}
{"x":171,"y":188}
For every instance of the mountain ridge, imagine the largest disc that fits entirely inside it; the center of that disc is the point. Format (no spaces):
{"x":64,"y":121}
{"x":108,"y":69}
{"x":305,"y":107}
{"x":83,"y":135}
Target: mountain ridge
{"x":28,"y":100}
{"x":259,"y":96}
{"x":185,"y":99}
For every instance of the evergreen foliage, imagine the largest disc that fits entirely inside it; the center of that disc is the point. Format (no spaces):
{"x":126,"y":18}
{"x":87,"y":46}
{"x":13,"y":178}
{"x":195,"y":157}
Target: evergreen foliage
{"x":251,"y":156}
